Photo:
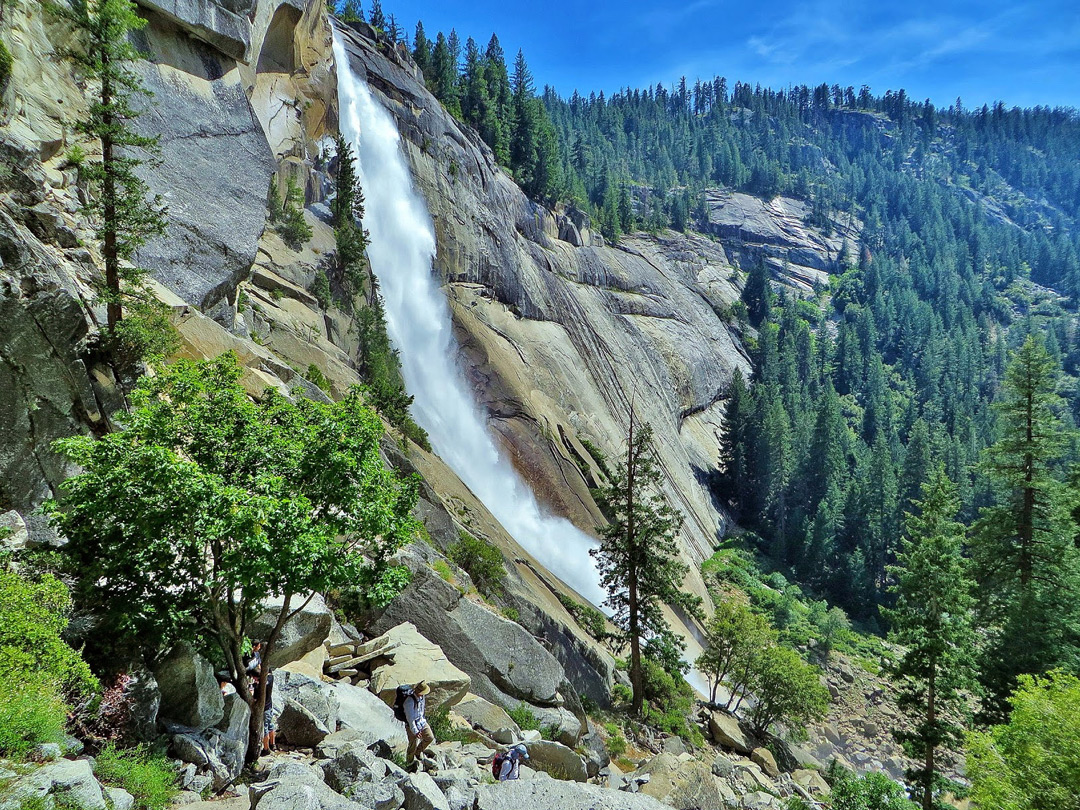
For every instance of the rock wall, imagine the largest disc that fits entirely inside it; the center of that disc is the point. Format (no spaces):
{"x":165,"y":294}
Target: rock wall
{"x":559,"y":337}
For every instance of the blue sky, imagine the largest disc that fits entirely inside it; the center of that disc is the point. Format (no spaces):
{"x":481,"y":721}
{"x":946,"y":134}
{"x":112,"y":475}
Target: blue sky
{"x":1023,"y":53}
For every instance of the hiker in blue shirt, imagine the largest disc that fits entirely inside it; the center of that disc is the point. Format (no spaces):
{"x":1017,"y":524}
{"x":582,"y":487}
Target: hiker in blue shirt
{"x":416,"y":725}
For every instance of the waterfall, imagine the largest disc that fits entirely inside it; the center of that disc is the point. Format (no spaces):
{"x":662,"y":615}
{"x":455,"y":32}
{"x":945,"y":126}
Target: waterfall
{"x":402,"y":252}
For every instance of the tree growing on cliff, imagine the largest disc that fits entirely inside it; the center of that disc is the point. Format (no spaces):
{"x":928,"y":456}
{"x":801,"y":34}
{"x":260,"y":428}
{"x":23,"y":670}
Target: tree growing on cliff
{"x":932,"y":623}
{"x":127,"y":216}
{"x":209,"y":502}
{"x":636,"y":559}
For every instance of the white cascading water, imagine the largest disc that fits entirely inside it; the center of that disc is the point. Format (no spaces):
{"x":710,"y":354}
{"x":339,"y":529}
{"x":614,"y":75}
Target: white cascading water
{"x":402,"y":251}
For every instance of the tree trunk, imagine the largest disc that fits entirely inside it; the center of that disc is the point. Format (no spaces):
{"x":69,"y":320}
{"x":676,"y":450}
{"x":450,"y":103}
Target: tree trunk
{"x":109,"y":248}
{"x":931,"y":720}
{"x":636,"y":676}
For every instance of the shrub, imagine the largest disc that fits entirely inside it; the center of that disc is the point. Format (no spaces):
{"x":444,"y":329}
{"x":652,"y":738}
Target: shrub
{"x":1032,"y":762}
{"x":616,"y":741}
{"x":482,"y":561}
{"x":144,"y":773}
{"x":591,"y":620}
{"x":788,"y":691}
{"x":315,"y":375}
{"x":320,"y":288}
{"x":670,"y":702}
{"x":445,"y":731}
{"x":6,"y":64}
{"x":872,"y":791}
{"x":524,"y":717}
{"x":31,"y":712}
{"x":293,"y":227}
{"x":443,"y":570}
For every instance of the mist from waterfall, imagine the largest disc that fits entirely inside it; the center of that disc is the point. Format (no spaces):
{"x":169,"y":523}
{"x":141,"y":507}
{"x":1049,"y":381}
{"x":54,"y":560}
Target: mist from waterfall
{"x":402,"y":251}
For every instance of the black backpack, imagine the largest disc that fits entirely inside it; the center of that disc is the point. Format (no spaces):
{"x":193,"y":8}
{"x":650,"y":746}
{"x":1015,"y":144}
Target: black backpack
{"x":400,"y":694}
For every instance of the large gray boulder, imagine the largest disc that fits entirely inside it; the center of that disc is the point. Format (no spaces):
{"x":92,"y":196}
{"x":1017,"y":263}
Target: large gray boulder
{"x":292,"y":786}
{"x":401,"y":655}
{"x":421,"y":793}
{"x":543,"y":792}
{"x":558,"y":761}
{"x":316,"y":697}
{"x":725,"y":730}
{"x":190,"y":694}
{"x":235,"y":723}
{"x":143,"y":697}
{"x":298,"y":726}
{"x":682,"y":785}
{"x":369,"y":717}
{"x":71,"y":781}
{"x":506,"y":664}
{"x":304,"y":632}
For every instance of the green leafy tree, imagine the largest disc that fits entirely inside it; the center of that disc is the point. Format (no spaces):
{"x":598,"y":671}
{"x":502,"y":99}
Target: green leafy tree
{"x":208,"y":503}
{"x":1022,"y":546}
{"x":733,"y":638}
{"x":1032,"y":762}
{"x":125,"y":213}
{"x":932,"y":624}
{"x":787,"y":691}
{"x":636,"y":558}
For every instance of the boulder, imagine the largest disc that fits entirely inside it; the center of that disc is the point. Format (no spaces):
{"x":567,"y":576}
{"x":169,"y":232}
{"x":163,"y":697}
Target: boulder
{"x":765,"y":760}
{"x":292,"y":786}
{"x":812,"y":782}
{"x":190,"y":695}
{"x":352,"y":764}
{"x":409,"y":657}
{"x":557,"y":795}
{"x":13,"y":532}
{"x":378,"y":795}
{"x":682,"y":785}
{"x":558,"y":761}
{"x":506,"y":664}
{"x":315,"y":696}
{"x":298,"y":726}
{"x":208,"y":21}
{"x":365,"y":714}
{"x":71,"y":780}
{"x":566,"y":726}
{"x":235,"y":723}
{"x":725,"y":730}
{"x":421,"y":793}
{"x":303,"y":633}
{"x":142,"y":695}
{"x":484,"y":715}
{"x":119,"y":799}
{"x":596,"y":753}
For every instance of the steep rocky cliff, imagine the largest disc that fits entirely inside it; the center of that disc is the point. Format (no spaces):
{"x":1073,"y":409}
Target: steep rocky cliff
{"x":561,"y":333}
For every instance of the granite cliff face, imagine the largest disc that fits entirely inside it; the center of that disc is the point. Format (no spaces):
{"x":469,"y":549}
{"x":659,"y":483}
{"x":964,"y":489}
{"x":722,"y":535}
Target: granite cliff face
{"x":560,"y":333}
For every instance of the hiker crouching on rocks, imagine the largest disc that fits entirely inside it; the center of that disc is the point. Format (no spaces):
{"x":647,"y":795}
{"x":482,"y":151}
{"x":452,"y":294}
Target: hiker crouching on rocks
{"x":509,"y":765}
{"x":416,"y":725}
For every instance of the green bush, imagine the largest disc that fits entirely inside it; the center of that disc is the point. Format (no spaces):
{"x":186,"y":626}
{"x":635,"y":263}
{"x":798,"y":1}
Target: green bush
{"x":670,"y":702}
{"x":444,"y":730}
{"x":31,"y":712}
{"x":616,"y":741}
{"x":293,"y":227}
{"x":315,"y":375}
{"x":320,"y":288}
{"x":144,"y":773}
{"x":6,"y":64}
{"x":591,"y":620}
{"x":524,"y":717}
{"x":482,"y":561}
{"x":872,"y":791}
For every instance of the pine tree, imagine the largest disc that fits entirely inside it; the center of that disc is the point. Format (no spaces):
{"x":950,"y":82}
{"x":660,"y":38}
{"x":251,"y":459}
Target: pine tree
{"x":735,"y":456}
{"x":523,"y":137}
{"x":377,"y":19}
{"x":932,"y":624}
{"x":1023,"y":549}
{"x":422,"y":51}
{"x":352,"y":12}
{"x":636,"y":558}
{"x":498,"y":90}
{"x":127,"y":217}
{"x":757,"y":294}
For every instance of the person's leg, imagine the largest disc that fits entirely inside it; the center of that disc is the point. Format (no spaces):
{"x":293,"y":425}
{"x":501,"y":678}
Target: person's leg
{"x":426,"y":738}
{"x":410,"y":755}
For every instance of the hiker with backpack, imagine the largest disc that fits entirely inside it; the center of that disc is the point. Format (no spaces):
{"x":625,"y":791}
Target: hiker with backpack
{"x":253,"y":664}
{"x":507,"y":764}
{"x":409,"y":706}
